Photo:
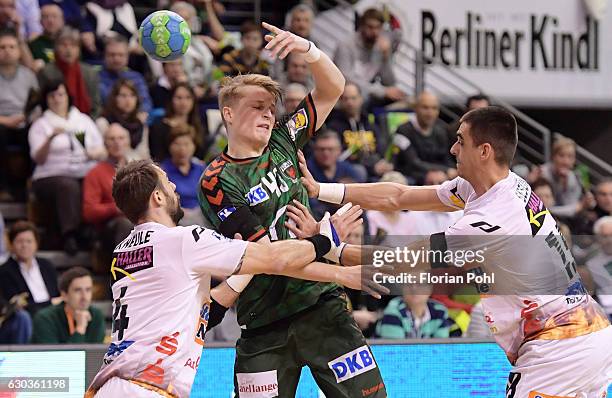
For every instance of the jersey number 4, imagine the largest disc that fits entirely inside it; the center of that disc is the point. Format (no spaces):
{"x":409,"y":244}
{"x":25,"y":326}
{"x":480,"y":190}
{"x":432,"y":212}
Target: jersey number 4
{"x":120,"y":318}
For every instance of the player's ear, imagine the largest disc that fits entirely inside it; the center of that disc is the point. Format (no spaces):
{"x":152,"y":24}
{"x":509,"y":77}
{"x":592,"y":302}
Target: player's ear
{"x":486,"y":151}
{"x":227,"y":114}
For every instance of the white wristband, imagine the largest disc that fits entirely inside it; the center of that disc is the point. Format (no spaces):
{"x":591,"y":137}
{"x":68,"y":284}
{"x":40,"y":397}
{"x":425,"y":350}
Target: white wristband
{"x":238,"y":282}
{"x":313,"y":54}
{"x":331,"y":193}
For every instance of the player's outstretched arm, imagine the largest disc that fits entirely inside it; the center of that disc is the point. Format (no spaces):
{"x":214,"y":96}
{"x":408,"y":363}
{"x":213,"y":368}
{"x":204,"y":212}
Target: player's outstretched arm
{"x":382,"y":196}
{"x":329,"y":81}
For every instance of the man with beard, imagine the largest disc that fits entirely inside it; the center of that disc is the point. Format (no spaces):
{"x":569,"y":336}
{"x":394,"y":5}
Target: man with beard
{"x":160,"y":278}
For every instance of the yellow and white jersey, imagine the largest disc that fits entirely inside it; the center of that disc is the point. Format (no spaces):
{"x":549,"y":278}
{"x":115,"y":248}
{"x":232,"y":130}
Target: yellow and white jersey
{"x":160,"y":280}
{"x":537,"y":293}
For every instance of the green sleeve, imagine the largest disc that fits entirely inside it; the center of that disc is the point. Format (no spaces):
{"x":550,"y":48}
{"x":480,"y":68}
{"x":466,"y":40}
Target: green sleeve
{"x":298,"y":127}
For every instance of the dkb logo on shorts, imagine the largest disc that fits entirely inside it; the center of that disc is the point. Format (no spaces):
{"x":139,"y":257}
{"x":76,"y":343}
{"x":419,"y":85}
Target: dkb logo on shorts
{"x":352,"y":364}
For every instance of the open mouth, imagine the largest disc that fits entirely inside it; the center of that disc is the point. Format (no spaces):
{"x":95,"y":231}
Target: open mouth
{"x":264,"y":126}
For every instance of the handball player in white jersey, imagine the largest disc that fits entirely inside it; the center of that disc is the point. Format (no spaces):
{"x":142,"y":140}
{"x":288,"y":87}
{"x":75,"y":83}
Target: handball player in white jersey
{"x":556,"y":336}
{"x":160,"y":277}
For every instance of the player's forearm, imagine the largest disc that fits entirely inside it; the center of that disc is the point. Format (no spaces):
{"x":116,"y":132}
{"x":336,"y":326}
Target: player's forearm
{"x":224,"y":295}
{"x":356,"y":254}
{"x":328,"y":80}
{"x":389,"y":196}
{"x":316,"y":271}
{"x":382,"y":196}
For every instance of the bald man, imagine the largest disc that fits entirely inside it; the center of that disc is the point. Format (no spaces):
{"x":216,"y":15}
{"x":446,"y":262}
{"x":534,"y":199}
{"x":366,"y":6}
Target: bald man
{"x":423,"y":142}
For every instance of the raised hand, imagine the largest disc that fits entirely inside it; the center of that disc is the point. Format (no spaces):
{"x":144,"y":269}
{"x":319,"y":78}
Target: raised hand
{"x":281,"y":42}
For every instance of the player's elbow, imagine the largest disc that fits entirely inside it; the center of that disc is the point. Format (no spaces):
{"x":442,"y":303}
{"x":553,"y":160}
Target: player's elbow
{"x":337,"y":86}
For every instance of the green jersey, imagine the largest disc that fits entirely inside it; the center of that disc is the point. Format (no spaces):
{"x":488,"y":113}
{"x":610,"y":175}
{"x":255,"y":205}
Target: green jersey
{"x":250,"y":197}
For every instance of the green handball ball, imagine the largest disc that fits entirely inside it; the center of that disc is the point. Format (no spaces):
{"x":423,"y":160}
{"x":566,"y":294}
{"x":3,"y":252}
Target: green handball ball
{"x":164,"y":35}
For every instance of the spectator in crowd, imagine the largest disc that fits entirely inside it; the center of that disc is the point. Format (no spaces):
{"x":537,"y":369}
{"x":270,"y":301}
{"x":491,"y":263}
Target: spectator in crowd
{"x":582,"y":223}
{"x":206,"y":21}
{"x":366,"y":59}
{"x":11,"y":20}
{"x":603,"y":198}
{"x":181,"y":109}
{"x":294,"y":94}
{"x":15,"y":322}
{"x":174,"y":73}
{"x":473,"y":102}
{"x":296,"y":71}
{"x":184,"y":171}
{"x":109,"y":18}
{"x":198,"y":60}
{"x":24,"y":272}
{"x":389,"y":227}
{"x":414,"y":315}
{"x":75,"y":17}
{"x":43,"y":46}
{"x":247,"y":59}
{"x":65,"y":144}
{"x":123,"y":107}
{"x":116,"y":57}
{"x":422,"y":142}
{"x":600,"y":266}
{"x":99,"y":206}
{"x":325,"y":166}
{"x":363,"y":139}
{"x":567,"y":188}
{"x":299,"y":20}
{"x":16,"y":85}
{"x":74,"y":320}
{"x":81,"y":80}
{"x":30,"y":12}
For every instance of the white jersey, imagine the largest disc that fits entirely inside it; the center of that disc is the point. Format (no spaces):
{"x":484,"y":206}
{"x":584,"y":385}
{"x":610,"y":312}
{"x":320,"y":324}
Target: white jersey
{"x":160,"y":280}
{"x":538,"y":293}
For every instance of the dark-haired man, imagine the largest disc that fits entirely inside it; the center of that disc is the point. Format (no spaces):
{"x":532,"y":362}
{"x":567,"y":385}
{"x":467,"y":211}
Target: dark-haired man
{"x":160,"y":277}
{"x":74,"y":320}
{"x":538,"y":311}
{"x":366,"y":59}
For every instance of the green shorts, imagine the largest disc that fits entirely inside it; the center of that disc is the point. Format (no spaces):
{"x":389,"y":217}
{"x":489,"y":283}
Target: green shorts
{"x":325,"y":338}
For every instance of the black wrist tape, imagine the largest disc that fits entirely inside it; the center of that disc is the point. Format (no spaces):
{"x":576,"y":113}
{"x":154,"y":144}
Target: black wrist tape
{"x":321,"y":244}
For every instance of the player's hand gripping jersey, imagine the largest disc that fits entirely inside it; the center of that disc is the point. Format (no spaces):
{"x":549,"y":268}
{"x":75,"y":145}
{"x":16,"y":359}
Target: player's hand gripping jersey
{"x":250,"y":197}
{"x":538,"y":293}
{"x":161,"y":286}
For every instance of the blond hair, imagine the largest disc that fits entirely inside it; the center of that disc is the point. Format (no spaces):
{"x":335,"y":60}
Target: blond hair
{"x":562,"y":143}
{"x":230,"y":91}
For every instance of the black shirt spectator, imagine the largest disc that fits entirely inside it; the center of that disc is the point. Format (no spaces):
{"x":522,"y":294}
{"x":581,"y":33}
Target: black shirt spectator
{"x":361,"y":137}
{"x":24,"y":272}
{"x":423,"y":141}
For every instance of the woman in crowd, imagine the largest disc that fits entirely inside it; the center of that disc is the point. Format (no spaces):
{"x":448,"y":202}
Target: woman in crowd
{"x":185,"y":171}
{"x":65,"y":144}
{"x":122,"y":107}
{"x":181,"y":109}
{"x":25,"y":274}
{"x":567,"y":188}
{"x":81,"y":80}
